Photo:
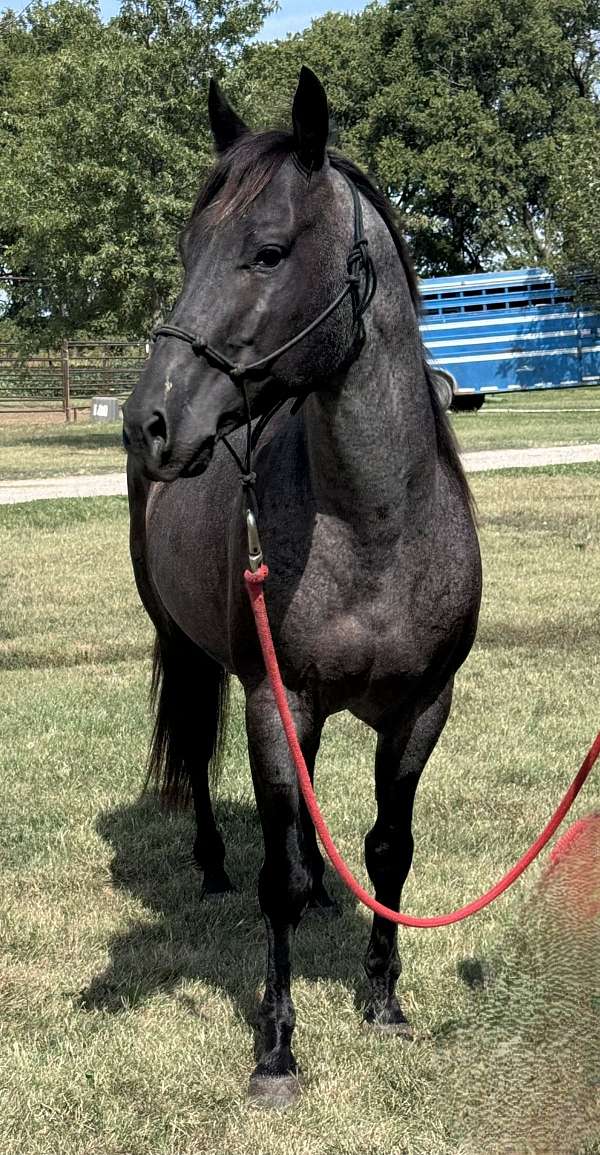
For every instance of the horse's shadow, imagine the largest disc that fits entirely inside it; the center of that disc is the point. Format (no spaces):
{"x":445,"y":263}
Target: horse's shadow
{"x":180,"y":936}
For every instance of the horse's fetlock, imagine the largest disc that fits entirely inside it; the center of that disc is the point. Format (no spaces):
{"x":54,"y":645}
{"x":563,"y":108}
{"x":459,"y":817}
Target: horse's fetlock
{"x":276,"y":1063}
{"x":383,"y":965}
{"x":209,"y":853}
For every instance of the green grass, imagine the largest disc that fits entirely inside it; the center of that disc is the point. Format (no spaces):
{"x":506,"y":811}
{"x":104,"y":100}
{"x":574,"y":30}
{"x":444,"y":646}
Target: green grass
{"x":30,"y":450}
{"x":45,"y":450}
{"x":126,"y":1004}
{"x":548,"y":399}
{"x":518,"y":421}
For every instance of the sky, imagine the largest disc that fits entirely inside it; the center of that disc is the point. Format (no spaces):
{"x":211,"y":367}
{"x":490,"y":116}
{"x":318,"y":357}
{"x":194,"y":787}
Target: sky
{"x":293,"y":15}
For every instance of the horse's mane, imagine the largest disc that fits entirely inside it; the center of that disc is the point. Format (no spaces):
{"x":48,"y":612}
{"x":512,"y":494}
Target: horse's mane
{"x":240,"y":175}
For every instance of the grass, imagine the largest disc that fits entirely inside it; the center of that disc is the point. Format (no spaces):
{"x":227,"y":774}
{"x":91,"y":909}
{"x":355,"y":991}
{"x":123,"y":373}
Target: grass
{"x":561,"y":417}
{"x":45,"y":450}
{"x":126,"y":1004}
{"x":519,"y":421}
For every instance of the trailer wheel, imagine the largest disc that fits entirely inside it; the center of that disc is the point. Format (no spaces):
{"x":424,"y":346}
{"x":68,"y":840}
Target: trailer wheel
{"x":444,"y":390}
{"x":467,"y":402}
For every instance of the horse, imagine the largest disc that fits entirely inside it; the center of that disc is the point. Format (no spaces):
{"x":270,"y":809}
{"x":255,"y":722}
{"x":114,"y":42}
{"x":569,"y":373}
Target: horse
{"x":298,"y":321}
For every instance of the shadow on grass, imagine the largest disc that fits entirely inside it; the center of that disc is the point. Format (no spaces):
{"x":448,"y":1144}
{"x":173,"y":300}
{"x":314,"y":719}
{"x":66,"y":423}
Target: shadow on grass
{"x":515,"y":1071}
{"x":91,"y":655}
{"x":79,"y":441}
{"x":221,"y":940}
{"x":563,"y":635}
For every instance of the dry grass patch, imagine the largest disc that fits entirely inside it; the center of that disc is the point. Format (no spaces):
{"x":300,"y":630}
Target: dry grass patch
{"x":47,"y":450}
{"x":127,"y":1005}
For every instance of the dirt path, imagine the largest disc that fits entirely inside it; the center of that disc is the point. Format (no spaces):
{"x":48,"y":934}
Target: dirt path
{"x":35,"y":489}
{"x":483,"y":460}
{"x":110,"y":484}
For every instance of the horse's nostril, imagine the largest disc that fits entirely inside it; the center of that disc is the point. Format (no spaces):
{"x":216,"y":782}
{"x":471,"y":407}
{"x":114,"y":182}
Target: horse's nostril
{"x":155,"y":433}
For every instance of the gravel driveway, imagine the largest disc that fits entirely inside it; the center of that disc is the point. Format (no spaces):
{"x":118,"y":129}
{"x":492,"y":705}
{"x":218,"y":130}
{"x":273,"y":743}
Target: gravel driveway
{"x":109,"y":484}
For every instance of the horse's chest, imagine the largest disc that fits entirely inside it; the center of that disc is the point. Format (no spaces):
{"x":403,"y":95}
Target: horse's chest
{"x":371,"y":629}
{"x":355,"y":654}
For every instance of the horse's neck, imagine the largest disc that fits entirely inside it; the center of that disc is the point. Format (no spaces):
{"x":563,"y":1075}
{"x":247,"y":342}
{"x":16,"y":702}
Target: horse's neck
{"x":372,"y":443}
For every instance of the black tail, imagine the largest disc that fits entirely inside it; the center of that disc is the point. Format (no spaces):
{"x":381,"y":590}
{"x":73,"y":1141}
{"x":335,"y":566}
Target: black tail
{"x":190,"y":696}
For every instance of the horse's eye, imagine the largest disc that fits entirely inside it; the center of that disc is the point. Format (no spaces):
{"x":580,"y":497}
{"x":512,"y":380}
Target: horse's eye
{"x":269,"y":257}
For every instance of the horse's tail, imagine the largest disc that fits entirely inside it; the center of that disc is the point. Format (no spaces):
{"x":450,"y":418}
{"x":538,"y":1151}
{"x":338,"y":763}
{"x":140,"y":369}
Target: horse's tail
{"x":189,"y":695}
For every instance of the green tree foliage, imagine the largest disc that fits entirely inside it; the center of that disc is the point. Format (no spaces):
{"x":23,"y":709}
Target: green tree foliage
{"x":461,"y":109}
{"x":575,"y":187}
{"x":478,"y":117}
{"x":104,"y":141}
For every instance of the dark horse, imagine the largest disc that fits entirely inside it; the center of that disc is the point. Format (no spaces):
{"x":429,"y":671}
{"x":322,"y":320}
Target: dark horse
{"x":364,"y":514}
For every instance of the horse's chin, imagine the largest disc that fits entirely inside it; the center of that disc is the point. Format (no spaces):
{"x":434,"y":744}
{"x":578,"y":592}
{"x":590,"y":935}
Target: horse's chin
{"x":200,"y":460}
{"x":174,"y":468}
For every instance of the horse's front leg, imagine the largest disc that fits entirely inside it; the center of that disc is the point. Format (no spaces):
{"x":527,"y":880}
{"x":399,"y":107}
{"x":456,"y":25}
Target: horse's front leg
{"x":285,"y":882}
{"x":402,"y":753}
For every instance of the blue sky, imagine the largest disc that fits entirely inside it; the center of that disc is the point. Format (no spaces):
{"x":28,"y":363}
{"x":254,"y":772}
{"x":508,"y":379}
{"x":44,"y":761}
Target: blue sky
{"x":293,"y":15}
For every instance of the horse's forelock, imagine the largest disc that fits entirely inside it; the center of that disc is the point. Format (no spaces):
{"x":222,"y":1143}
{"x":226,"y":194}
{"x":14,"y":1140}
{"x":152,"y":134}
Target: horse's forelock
{"x":241,"y":174}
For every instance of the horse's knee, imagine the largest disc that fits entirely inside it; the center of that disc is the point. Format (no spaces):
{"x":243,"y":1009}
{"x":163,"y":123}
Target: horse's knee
{"x":285,"y":887}
{"x":374,"y":852}
{"x":381,"y":958}
{"x":388,"y":854}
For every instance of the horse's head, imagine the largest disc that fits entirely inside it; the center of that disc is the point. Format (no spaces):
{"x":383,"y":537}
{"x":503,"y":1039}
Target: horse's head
{"x":264,"y":254}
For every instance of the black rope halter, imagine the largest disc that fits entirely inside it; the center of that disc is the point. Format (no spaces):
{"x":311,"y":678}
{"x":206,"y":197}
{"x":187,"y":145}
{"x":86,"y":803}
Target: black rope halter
{"x":360,"y":286}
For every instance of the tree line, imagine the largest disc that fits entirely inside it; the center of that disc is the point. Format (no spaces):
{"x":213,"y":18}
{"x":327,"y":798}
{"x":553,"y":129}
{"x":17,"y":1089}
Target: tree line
{"x":479,"y":118}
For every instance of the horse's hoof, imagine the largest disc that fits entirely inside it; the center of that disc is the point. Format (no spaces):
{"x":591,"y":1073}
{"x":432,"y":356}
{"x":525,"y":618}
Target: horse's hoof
{"x":270,"y":1092}
{"x":216,"y":884}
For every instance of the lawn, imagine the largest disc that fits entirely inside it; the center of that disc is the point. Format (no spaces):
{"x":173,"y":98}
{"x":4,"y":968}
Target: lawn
{"x":48,"y":450}
{"x":562,"y":417}
{"x":126,"y":1004}
{"x":516,"y":421}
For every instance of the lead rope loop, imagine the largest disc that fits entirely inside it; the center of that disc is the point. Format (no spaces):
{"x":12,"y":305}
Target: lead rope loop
{"x":254,"y":579}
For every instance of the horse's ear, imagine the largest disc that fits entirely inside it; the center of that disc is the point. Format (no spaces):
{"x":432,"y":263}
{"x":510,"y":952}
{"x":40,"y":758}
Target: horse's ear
{"x":310,"y":117}
{"x":226,"y":125}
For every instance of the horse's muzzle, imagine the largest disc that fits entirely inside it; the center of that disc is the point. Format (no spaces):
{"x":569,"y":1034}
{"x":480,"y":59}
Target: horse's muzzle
{"x":152,"y":442}
{"x":148,"y":440}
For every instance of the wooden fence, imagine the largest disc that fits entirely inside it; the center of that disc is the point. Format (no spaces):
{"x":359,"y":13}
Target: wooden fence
{"x":67,"y":378}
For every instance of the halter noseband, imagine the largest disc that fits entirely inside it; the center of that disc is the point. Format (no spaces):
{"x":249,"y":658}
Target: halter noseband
{"x":360,"y":286}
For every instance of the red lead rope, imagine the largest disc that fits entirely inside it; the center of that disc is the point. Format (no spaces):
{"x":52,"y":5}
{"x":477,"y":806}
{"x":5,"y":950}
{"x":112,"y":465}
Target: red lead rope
{"x":254,"y":585}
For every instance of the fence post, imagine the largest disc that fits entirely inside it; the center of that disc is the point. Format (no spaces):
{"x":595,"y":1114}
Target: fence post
{"x":66,"y":382}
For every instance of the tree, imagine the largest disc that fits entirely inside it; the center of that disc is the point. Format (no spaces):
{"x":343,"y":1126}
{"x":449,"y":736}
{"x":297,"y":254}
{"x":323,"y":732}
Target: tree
{"x":106,"y":144}
{"x":575,"y":187}
{"x":460,"y":109}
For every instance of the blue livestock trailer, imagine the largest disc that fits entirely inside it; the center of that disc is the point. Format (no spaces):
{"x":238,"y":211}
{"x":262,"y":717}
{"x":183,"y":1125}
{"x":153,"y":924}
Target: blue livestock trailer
{"x":505,"y":332}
